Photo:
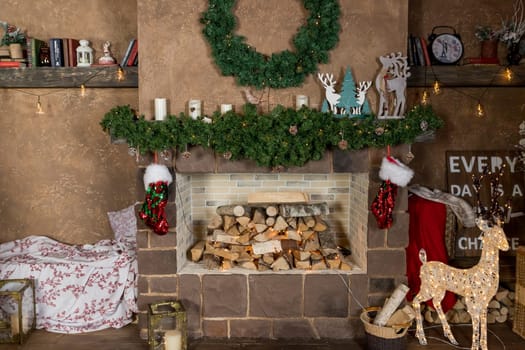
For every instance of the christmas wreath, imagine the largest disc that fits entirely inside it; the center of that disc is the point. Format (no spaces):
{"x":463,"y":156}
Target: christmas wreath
{"x":284,"y":69}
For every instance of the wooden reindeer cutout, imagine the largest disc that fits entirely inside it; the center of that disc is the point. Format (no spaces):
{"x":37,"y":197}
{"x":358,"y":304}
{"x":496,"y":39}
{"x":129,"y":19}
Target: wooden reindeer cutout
{"x":329,"y":84}
{"x":477,"y":284}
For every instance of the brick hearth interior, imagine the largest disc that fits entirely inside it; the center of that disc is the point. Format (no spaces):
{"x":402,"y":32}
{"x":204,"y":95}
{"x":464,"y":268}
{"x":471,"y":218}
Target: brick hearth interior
{"x":200,"y":195}
{"x":241,"y":303}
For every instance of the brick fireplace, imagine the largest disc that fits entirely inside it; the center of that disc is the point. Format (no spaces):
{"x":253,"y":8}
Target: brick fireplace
{"x":285,"y":304}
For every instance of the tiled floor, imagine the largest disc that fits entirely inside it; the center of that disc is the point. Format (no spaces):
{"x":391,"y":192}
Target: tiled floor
{"x":500,"y":337}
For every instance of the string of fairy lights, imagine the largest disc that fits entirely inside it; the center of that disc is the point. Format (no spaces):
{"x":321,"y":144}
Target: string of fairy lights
{"x":120,"y":76}
{"x":479,"y":111}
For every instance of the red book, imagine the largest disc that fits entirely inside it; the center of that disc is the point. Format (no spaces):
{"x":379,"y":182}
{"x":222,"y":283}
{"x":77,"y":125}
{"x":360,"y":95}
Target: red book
{"x":11,"y":64}
{"x":133,"y":54}
{"x":72,"y":46}
{"x":424,"y":47}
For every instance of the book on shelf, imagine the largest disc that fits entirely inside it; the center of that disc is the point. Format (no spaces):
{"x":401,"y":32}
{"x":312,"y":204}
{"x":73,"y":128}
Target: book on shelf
{"x":34,"y":45}
{"x":56,"y":52}
{"x":12,"y":64}
{"x":424,"y":47}
{"x":419,"y":50}
{"x":133,"y":54}
{"x":128,"y":52}
{"x":72,"y":54}
{"x":410,"y":52}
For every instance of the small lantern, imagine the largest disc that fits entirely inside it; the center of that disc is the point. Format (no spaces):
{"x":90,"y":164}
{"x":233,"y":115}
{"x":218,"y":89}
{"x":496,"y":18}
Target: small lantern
{"x":167,"y":326}
{"x":17,"y":310}
{"x":84,"y":54}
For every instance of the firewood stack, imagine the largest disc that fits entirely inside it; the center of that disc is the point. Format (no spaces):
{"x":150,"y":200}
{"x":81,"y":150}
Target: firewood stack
{"x":500,"y":310}
{"x":270,"y":236}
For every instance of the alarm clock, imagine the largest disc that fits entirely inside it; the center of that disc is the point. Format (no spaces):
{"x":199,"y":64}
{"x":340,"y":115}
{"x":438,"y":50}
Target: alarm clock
{"x":445,"y":48}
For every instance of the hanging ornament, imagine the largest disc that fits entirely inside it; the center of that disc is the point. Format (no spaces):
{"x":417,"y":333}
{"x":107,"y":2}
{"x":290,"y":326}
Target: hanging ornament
{"x":394,"y":174}
{"x":293,"y":130}
{"x":157,"y":178}
{"x":227,"y":155}
{"x":343,"y":145}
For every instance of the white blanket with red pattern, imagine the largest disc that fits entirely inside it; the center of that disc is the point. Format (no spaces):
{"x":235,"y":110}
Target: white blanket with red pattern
{"x":79,"y":288}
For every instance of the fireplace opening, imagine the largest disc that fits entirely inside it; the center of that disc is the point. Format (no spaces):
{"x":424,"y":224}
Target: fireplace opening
{"x":344,"y":195}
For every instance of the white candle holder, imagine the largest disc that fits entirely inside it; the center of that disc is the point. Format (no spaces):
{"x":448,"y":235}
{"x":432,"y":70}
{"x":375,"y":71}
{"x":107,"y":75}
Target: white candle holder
{"x":160,"y":108}
{"x":300,"y":101}
{"x":194,"y":108}
{"x":226,"y":107}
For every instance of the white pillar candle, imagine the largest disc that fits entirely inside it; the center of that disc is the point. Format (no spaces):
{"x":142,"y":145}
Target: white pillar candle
{"x":160,"y":109}
{"x":301,"y":100}
{"x":173,"y":340}
{"x":225,"y":107}
{"x":194,"y":107}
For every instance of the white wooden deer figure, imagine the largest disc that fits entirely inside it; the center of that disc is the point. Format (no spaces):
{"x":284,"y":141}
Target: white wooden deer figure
{"x":361,"y":94}
{"x":331,"y":96}
{"x":477,"y":284}
{"x":392,"y":79}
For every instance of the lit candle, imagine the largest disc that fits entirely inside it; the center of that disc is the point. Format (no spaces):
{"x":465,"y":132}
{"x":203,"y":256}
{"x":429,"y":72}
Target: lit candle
{"x":194,"y":107}
{"x":301,"y":100}
{"x":160,"y":108}
{"x":225,"y":107}
{"x":173,"y":340}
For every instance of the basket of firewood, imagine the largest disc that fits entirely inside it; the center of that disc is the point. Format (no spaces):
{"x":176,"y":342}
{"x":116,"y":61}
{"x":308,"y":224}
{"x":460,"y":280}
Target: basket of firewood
{"x":388,"y":337}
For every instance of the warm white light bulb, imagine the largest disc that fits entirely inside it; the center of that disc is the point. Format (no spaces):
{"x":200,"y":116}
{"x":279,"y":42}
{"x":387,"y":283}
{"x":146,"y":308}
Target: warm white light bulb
{"x":82,"y":90}
{"x":39,"y":109}
{"x":480,"y":111}
{"x":437,"y":87}
{"x":425,"y":99}
{"x":120,"y":74}
{"x":508,"y":74}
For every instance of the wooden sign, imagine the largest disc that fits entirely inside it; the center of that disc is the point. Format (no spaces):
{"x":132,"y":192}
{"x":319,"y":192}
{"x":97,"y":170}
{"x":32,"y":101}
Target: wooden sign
{"x":461,"y":167}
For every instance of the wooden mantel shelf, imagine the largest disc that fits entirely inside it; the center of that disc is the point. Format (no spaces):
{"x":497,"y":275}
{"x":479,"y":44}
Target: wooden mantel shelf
{"x":68,"y":77}
{"x":467,"y":76}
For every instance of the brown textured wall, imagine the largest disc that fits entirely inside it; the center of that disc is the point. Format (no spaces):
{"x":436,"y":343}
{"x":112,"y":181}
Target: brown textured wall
{"x":463,"y":131}
{"x":176,"y":61}
{"x":59,"y":174}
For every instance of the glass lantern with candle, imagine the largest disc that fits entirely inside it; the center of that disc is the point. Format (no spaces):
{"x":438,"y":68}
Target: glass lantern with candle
{"x":84,"y":54}
{"x":167,"y":326}
{"x":17,"y":310}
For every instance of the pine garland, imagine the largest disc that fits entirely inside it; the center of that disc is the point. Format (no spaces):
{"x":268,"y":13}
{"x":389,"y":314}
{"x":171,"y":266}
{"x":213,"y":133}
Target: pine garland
{"x":282,"y":137}
{"x":284,"y":69}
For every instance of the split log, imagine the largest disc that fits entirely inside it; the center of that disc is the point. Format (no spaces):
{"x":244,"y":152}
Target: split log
{"x":280,"y":264}
{"x":268,"y":258}
{"x":233,"y":231}
{"x":318,"y":264}
{"x":226,"y":265}
{"x":220,"y":252}
{"x":312,"y":243}
{"x":302,"y":210}
{"x":234,"y":210}
{"x":303,"y":264}
{"x":215,"y":223}
{"x":197,"y":251}
{"x":270,"y":221}
{"x":320,"y":225}
{"x":211,"y":262}
{"x":277,"y":197}
{"x":260,"y":228}
{"x":222,"y":237}
{"x":272,"y":210}
{"x":309,"y":221}
{"x":292,"y":234}
{"x":292,"y":222}
{"x":273,"y":246}
{"x":280,"y":224}
{"x":301,"y":255}
{"x":243,"y":220}
{"x":259,"y":216}
{"x":250,"y":265}
{"x":229,"y":221}
{"x":302,"y":226}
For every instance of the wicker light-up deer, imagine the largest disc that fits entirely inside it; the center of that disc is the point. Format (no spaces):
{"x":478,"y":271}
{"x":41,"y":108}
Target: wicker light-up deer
{"x":477,"y":284}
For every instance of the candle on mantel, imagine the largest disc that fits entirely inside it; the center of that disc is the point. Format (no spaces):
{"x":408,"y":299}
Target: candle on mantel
{"x":226,"y":107}
{"x":15,"y":327}
{"x":173,"y":340}
{"x":160,"y":109}
{"x":194,"y":107}
{"x":301,"y":100}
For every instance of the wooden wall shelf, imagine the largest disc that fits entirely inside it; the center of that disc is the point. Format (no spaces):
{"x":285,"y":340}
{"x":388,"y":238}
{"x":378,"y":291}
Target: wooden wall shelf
{"x":68,"y":77}
{"x":466,"y":76}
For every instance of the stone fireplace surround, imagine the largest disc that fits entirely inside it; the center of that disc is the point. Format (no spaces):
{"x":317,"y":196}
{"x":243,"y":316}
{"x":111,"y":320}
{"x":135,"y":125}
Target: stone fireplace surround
{"x":271,"y":305}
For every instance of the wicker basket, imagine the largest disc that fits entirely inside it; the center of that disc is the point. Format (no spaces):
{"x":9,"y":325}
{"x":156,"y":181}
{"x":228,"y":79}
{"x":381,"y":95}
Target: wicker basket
{"x":519,"y":315}
{"x":383,"y":338}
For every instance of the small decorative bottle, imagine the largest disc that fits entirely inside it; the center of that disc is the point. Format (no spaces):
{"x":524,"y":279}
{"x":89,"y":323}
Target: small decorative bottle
{"x":84,"y":54}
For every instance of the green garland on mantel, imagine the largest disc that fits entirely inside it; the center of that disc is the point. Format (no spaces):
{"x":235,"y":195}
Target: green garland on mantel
{"x":282,"y":137}
{"x":234,"y":57}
